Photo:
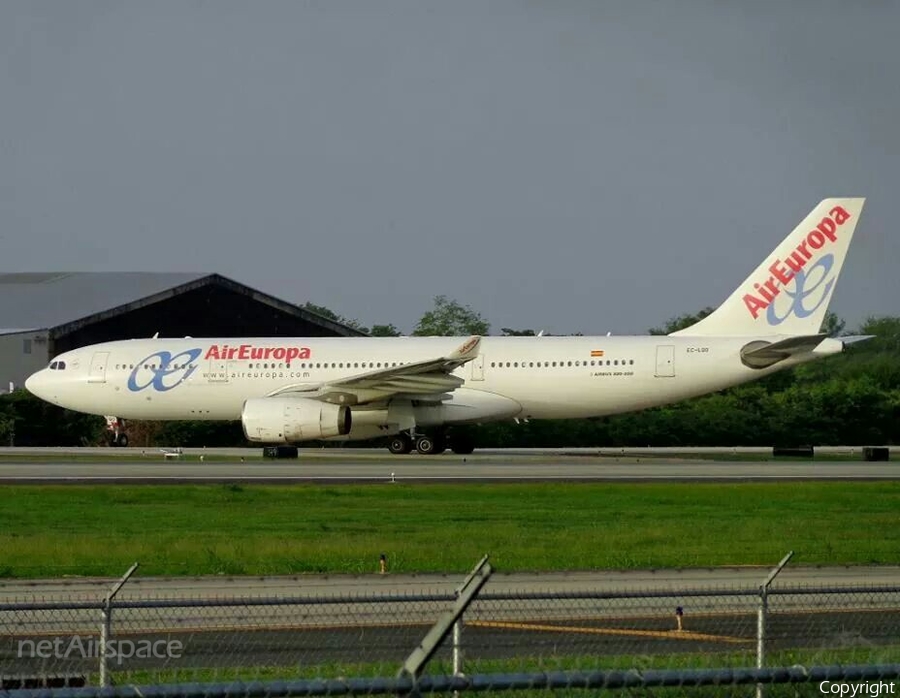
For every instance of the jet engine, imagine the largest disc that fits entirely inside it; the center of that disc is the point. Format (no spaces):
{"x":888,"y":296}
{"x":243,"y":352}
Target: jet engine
{"x":282,"y":420}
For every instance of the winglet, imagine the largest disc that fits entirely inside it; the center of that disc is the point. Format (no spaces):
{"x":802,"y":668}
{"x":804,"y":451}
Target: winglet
{"x":466,"y":351}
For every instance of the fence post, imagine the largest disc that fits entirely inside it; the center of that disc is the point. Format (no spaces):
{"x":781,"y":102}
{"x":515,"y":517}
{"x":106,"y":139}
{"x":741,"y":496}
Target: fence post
{"x":761,"y":617}
{"x":457,"y":648}
{"x":465,"y":594}
{"x":457,"y":626}
{"x":457,"y":651}
{"x":106,"y":626}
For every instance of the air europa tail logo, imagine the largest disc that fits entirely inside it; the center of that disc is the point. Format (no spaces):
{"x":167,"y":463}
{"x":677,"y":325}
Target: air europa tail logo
{"x":246,"y":352}
{"x":796,"y":267}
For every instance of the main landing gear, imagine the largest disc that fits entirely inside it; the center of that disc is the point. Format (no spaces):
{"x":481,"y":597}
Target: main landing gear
{"x":116,"y":435}
{"x":400,"y":444}
{"x":458,"y":442}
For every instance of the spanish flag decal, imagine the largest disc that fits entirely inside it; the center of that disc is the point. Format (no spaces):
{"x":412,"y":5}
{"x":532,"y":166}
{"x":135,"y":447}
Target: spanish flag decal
{"x":596,"y":352}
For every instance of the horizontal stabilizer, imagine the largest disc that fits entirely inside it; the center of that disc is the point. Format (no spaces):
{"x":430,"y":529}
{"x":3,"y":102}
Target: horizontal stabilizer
{"x":761,"y":354}
{"x":853,"y":339}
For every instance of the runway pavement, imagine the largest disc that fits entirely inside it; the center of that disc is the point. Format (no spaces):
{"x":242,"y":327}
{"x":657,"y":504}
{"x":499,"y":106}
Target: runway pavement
{"x":850,"y":452}
{"x":433,"y":470}
{"x":345,"y":585}
{"x":136,"y":466}
{"x":157,"y":605}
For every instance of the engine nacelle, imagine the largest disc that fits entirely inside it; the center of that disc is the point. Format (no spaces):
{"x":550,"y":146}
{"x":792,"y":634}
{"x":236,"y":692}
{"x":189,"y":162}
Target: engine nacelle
{"x":282,"y":420}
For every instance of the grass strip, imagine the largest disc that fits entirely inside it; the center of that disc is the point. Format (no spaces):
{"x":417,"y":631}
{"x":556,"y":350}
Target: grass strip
{"x":48,"y":531}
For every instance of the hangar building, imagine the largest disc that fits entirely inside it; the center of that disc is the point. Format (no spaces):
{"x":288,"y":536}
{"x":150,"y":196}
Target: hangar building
{"x":44,"y":314}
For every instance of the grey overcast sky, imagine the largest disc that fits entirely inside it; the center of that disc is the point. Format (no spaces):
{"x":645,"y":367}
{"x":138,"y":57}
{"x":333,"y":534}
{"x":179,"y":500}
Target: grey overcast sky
{"x":570,"y":165}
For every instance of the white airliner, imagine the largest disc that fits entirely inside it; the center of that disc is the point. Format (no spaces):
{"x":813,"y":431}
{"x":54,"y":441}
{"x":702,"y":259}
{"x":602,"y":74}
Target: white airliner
{"x":416,"y":389}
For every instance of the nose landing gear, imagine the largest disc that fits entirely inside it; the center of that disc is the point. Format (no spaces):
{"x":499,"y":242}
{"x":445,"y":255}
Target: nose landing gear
{"x":116,"y":435}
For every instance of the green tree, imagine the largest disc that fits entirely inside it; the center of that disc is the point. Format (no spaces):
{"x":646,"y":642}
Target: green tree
{"x":7,"y":421}
{"x":682,"y":321}
{"x":832,"y":325}
{"x":877,"y":359}
{"x":331,"y":315}
{"x":887,"y":334}
{"x":35,"y":422}
{"x":449,"y":318}
{"x":507,"y":332}
{"x":384,"y":331}
{"x":322,"y":310}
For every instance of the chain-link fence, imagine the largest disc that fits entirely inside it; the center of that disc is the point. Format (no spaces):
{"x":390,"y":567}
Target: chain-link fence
{"x":617,"y":639}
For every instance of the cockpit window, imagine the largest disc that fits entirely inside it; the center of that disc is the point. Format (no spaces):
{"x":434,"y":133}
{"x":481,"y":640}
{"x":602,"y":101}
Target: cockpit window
{"x":53,"y":365}
{"x":61,"y":366}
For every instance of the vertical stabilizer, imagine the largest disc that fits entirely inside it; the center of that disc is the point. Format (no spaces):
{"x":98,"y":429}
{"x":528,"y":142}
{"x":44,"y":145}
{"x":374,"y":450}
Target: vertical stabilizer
{"x":790,"y":291}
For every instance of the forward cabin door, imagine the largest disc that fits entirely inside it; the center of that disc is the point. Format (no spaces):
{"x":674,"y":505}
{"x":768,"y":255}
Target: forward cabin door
{"x":98,"y":367}
{"x":665,"y":361}
{"x":217,"y":371}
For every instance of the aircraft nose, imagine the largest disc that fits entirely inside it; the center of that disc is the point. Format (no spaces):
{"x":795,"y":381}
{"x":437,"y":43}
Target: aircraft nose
{"x":35,"y":383}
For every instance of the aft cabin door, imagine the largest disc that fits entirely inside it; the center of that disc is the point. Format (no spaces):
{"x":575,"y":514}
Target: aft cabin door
{"x":665,"y":361}
{"x":478,"y":368}
{"x":98,"y":367}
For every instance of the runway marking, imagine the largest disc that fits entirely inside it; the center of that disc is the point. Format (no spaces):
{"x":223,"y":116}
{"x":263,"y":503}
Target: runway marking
{"x":659,"y":634}
{"x":504,"y":625}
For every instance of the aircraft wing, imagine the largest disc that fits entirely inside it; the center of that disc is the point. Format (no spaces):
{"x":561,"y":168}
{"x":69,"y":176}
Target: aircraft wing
{"x":428,"y":377}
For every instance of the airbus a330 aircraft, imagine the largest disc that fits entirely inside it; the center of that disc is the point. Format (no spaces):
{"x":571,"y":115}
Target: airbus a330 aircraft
{"x":416,"y":389}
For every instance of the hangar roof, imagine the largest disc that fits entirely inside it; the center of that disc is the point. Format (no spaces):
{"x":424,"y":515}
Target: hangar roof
{"x":56,"y":299}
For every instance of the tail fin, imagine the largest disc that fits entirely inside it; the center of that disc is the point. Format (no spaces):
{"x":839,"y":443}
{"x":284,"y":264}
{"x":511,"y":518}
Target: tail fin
{"x":789,"y":292}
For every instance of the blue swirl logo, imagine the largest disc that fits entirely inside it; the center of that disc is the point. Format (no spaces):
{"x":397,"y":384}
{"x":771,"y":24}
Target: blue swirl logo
{"x":163,"y":371}
{"x":798,"y":296}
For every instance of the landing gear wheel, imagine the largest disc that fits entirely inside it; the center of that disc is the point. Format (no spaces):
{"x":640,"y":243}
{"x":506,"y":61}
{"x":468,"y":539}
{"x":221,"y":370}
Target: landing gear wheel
{"x":400,"y":444}
{"x":428,"y":446}
{"x":122,"y":440}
